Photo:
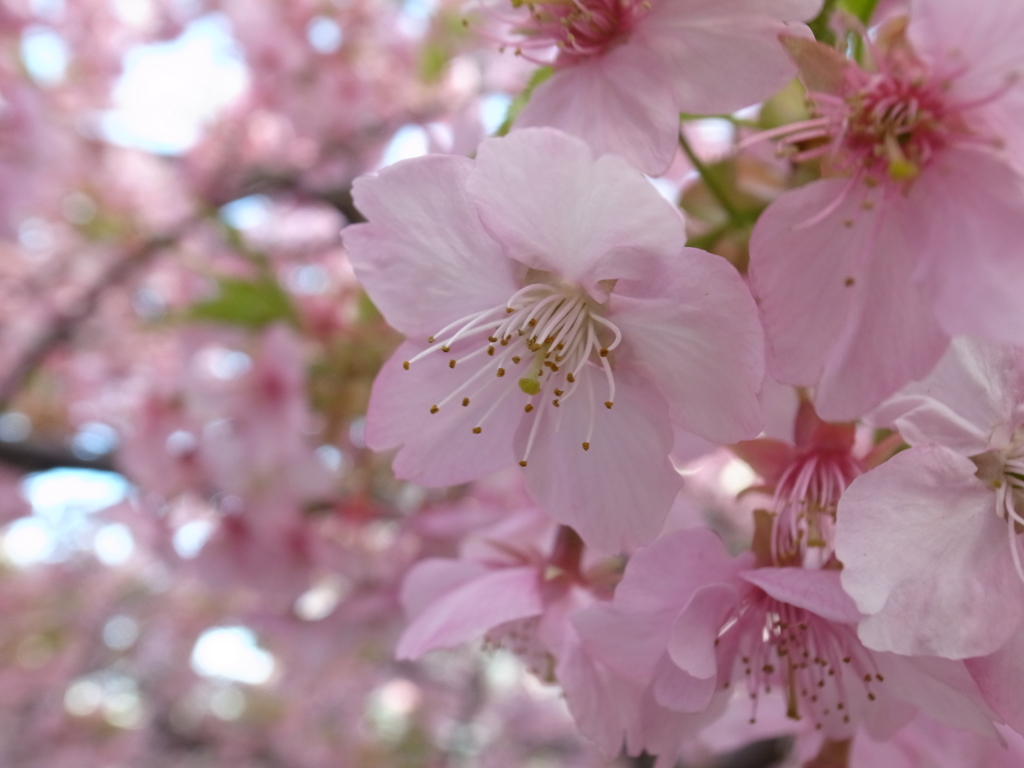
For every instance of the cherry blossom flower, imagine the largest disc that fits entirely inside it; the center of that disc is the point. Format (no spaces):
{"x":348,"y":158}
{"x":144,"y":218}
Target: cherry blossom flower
{"x":692,"y":623}
{"x":929,"y":539}
{"x":806,"y":481}
{"x":557,"y":321}
{"x":863,"y":276}
{"x":625,"y":69}
{"x":506,"y":587}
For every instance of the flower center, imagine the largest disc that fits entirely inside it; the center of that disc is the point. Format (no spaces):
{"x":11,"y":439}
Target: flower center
{"x":805,"y":503}
{"x":1003,"y":471}
{"x":547,"y":335}
{"x":578,"y":28}
{"x":815,"y":662}
{"x":894,"y":127}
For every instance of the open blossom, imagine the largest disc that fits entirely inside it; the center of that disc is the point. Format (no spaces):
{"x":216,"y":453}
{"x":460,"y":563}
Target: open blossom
{"x":914,"y":234}
{"x":625,"y":69}
{"x":693,"y":624}
{"x":557,"y":322}
{"x":930,"y":539}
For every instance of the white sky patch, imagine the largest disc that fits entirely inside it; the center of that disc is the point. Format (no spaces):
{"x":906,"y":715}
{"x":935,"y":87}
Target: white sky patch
{"x":231,"y":653}
{"x":493,"y":110}
{"x":45,"y":55}
{"x":324,"y":34}
{"x":58,"y":492}
{"x":28,"y":541}
{"x":170,"y":91}
{"x":62,"y":501}
{"x":113,"y":544}
{"x":191,"y":537}
{"x":408,"y":142}
{"x":248,"y":212}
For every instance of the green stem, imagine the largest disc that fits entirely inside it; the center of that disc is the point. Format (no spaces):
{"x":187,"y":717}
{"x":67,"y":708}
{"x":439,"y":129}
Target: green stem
{"x":710,"y":181}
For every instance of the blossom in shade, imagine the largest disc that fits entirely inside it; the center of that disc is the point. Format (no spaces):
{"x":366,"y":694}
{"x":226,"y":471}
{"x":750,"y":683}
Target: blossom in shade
{"x":912,"y":236}
{"x":625,"y":69}
{"x":510,"y":585}
{"x":806,"y":480}
{"x":929,"y":539}
{"x":693,"y":624}
{"x":556,"y":321}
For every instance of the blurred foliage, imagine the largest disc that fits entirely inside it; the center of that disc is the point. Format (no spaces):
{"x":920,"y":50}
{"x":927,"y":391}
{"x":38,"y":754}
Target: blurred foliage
{"x":248,"y":303}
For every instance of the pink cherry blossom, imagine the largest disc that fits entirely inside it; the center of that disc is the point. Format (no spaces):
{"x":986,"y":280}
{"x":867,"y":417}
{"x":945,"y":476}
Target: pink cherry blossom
{"x":557,"y":321}
{"x":506,"y":586}
{"x":702,"y":623}
{"x":863,"y":276}
{"x":929,"y":539}
{"x":806,"y":480}
{"x":625,"y":69}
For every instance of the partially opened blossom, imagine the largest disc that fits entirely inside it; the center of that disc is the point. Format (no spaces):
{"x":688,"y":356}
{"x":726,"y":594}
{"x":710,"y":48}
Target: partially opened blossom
{"x":511,"y":584}
{"x":929,"y":539}
{"x":806,"y":480}
{"x":913,"y":235}
{"x":557,"y":322}
{"x":692,"y":623}
{"x":625,"y":69}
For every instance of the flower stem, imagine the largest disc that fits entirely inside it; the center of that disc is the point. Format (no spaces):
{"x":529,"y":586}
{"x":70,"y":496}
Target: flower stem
{"x":709,"y":180}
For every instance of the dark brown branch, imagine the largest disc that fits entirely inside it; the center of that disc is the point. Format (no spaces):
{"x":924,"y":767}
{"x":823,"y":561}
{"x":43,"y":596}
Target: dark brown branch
{"x":39,"y":457}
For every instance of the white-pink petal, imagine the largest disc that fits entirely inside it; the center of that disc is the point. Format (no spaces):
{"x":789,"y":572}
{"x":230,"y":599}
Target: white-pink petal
{"x":722,"y":54}
{"x":692,"y":326}
{"x":470,"y":610}
{"x":424,"y":258}
{"x":440,"y":448}
{"x":616,"y":494}
{"x":622,"y":102}
{"x":556,"y":208}
{"x":926,"y":556}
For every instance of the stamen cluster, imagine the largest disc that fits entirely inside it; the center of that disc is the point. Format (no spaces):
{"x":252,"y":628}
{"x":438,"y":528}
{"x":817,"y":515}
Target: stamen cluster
{"x":818,"y":664}
{"x":1003,"y":470}
{"x":550,"y":334}
{"x":579,"y":28}
{"x":805,"y":502}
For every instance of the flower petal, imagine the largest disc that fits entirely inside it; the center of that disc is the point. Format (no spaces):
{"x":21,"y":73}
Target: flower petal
{"x":969,"y":209}
{"x":979,"y":49}
{"x":722,"y":55}
{"x":817,"y":591}
{"x":966,"y":404}
{"x":555,"y":207}
{"x":692,"y":326}
{"x":837,"y":295}
{"x":440,"y":448}
{"x":1000,"y":676}
{"x":691,"y":645}
{"x":424,"y":257}
{"x":617,"y":493}
{"x":471,"y":609}
{"x":926,"y":556}
{"x":621,"y":102}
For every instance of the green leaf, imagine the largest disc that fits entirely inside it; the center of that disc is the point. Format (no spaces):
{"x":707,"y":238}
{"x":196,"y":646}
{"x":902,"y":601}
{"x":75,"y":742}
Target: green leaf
{"x":862,"y":9}
{"x":249,"y":303}
{"x":520,"y":101}
{"x":433,"y":60}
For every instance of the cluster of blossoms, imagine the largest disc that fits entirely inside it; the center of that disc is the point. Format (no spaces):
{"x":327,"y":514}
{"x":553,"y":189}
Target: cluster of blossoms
{"x":707,"y":427}
{"x":556,"y":319}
